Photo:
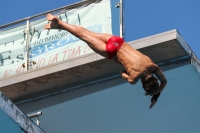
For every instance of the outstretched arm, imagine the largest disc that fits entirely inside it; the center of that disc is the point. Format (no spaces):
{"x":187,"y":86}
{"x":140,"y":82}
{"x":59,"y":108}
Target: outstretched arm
{"x":163,"y":81}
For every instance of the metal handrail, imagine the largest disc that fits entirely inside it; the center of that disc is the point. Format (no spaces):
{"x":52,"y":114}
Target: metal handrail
{"x":68,"y":7}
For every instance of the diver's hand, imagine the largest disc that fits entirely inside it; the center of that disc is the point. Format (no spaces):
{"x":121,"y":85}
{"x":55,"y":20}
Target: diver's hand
{"x":153,"y":102}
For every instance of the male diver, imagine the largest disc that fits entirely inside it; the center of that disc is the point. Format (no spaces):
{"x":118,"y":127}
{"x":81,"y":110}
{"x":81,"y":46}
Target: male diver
{"x":137,"y":65}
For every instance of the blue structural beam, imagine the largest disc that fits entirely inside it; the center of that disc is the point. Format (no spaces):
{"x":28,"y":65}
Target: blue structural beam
{"x":14,"y":120}
{"x":7,"y":125}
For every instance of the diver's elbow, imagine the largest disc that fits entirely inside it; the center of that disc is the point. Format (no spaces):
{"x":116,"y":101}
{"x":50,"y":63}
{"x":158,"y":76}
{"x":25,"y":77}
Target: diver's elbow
{"x":133,"y":82}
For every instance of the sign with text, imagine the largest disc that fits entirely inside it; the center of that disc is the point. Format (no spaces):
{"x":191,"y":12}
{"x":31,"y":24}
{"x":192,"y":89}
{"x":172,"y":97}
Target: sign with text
{"x":52,"y":46}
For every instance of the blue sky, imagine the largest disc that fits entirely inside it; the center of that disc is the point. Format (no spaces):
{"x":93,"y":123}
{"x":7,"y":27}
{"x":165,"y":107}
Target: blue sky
{"x":142,"y":17}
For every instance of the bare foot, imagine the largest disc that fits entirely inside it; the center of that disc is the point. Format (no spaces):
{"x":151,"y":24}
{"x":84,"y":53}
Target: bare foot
{"x":50,"y":17}
{"x":52,"y":25}
{"x":53,"y":22}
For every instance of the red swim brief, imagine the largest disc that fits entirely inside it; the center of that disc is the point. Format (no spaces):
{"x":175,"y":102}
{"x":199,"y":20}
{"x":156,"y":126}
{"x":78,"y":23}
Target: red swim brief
{"x":113,"y":45}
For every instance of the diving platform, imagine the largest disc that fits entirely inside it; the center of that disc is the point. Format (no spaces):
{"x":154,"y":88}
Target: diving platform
{"x":163,"y":48}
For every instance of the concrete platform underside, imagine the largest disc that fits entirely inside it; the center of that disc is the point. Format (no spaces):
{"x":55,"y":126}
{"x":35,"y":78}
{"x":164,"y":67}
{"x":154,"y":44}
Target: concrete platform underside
{"x":161,"y":48}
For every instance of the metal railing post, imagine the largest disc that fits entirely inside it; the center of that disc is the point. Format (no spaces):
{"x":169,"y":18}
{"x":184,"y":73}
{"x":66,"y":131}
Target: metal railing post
{"x":121,"y":20}
{"x":27,"y":45}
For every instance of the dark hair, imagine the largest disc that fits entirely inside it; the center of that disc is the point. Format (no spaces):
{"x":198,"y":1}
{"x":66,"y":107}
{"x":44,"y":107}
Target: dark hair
{"x":150,"y":85}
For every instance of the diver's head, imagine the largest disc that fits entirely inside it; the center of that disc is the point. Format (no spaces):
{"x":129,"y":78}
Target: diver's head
{"x":150,"y":85}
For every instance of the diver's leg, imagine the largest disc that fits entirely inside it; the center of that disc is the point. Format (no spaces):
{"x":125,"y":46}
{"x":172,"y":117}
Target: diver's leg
{"x":96,"y":41}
